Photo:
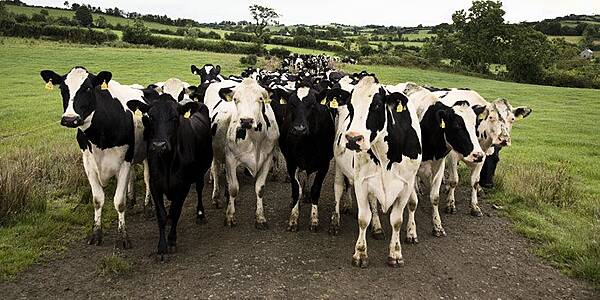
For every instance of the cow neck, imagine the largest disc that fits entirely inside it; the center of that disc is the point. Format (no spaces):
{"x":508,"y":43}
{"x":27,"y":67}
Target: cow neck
{"x":484,"y":139}
{"x":111,"y":124}
{"x":433,"y":136}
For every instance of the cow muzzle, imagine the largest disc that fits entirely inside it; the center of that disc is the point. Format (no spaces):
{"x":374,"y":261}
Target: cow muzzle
{"x":71,"y":121}
{"x":476,"y":156}
{"x":159,"y":147}
{"x":299,"y":130}
{"x":246,"y":123}
{"x":354,"y":141}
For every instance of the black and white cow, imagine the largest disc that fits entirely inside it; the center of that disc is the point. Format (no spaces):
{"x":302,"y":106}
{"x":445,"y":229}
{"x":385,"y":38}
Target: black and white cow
{"x":443,"y":128}
{"x":493,"y":129}
{"x":109,"y":135}
{"x":378,"y":147}
{"x":252,"y":134}
{"x":306,"y":139}
{"x":179,"y":154}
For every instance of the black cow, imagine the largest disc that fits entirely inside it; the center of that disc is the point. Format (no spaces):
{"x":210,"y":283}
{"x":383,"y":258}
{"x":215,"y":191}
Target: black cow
{"x":107,"y":135}
{"x":306,"y":141}
{"x":179,"y":154}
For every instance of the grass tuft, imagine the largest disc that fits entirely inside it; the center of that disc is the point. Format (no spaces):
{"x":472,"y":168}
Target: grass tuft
{"x":113,"y":265}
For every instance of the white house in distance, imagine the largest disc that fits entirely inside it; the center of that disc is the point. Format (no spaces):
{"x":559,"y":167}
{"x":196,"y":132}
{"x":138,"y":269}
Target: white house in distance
{"x":586,"y":54}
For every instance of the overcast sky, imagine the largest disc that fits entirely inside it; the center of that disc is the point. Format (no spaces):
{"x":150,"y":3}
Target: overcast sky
{"x":351,"y":12}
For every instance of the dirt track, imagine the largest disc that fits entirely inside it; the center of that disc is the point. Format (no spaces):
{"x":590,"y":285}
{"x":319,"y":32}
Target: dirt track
{"x":479,"y":259}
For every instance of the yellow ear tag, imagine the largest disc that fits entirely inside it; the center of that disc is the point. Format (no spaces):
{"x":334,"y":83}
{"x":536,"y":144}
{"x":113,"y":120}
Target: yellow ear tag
{"x":324,"y":101}
{"x":104,"y":86}
{"x":520,"y":117}
{"x":49,"y":85}
{"x":443,"y":125}
{"x":481,"y":117}
{"x":333,"y":103}
{"x":267,"y":100}
{"x":399,"y":108}
{"x":228,"y":98}
{"x":282,"y":101}
{"x":187,"y":114}
{"x":138,"y":113}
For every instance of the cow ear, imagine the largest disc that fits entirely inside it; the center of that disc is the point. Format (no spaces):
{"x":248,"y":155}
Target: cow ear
{"x":396,"y":98}
{"x":102,"y":78}
{"x":322,"y":96}
{"x":135,"y":104}
{"x":217,"y":70}
{"x":48,"y":76}
{"x":191,"y":106}
{"x":481,"y":111}
{"x":226,"y":94}
{"x":195,"y":70}
{"x":340,"y":96}
{"x":522,"y":112}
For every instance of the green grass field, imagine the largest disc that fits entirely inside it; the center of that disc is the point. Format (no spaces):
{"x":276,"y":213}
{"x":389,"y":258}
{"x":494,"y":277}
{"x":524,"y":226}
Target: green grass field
{"x":571,"y":39}
{"x":560,"y":137}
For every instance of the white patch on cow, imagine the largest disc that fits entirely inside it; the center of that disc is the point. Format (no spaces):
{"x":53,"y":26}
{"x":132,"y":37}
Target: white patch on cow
{"x":173,"y":87}
{"x":469,"y":118}
{"x":302,"y":92}
{"x":73,"y":81}
{"x":314,"y":215}
{"x":207,"y":69}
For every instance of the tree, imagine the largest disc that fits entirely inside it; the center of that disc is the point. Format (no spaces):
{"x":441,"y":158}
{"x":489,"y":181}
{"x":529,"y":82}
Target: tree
{"x":263,"y":17}
{"x":66,"y":4}
{"x":137,"y":34}
{"x":528,"y":54}
{"x":83,"y":16}
{"x":101,"y":22}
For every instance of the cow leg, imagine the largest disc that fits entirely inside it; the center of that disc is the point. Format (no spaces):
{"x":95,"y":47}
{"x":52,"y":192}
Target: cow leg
{"x":395,"y":258}
{"x":296,"y":194}
{"x":338,"y":190}
{"x":360,"y":257}
{"x":259,"y":187}
{"x":161,"y":218}
{"x":148,"y":198}
{"x":98,"y":199}
{"x":234,"y":188}
{"x":475,"y":172}
{"x":377,"y":230}
{"x":411,"y":226}
{"x":347,"y":205}
{"x":305,"y":188}
{"x":131,"y":189}
{"x":200,"y":213}
{"x":120,"y":203}
{"x":215,"y":172}
{"x":437,"y":168}
{"x":315,"y":193}
{"x":452,"y":183}
{"x":174,"y":214}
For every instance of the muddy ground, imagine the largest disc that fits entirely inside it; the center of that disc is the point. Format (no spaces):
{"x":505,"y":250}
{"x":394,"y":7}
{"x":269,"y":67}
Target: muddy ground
{"x":481,"y":258}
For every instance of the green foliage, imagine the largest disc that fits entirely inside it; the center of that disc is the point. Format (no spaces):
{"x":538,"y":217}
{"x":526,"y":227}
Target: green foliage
{"x":83,"y":16}
{"x":280,"y":52}
{"x":529,"y":53}
{"x":263,"y":17}
{"x":101,"y":22}
{"x":113,"y":265}
{"x":249,"y":60}
{"x":137,"y":34}
{"x":69,"y":34}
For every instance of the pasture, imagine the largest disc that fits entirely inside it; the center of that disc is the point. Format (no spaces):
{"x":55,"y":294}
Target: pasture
{"x":550,"y":182}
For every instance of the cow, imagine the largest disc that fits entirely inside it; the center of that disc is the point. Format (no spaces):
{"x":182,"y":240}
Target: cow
{"x":306,"y":141}
{"x":108,"y":134}
{"x":382,"y":132}
{"x":493,"y":129}
{"x":252,"y":134}
{"x":179,"y":154}
{"x":443,"y":128}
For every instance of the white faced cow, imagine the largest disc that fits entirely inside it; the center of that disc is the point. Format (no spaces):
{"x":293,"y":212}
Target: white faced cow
{"x":444,"y":128}
{"x":252,"y":134}
{"x":109,"y":135}
{"x":493,"y":128}
{"x":381,"y":130}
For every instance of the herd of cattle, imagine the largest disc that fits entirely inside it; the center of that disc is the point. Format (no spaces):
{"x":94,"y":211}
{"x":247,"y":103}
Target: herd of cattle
{"x":381,"y":137}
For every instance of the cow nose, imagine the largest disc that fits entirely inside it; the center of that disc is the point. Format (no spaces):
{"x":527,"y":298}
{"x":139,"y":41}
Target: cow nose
{"x":246,"y":123}
{"x":300,"y":130}
{"x":70,"y":121}
{"x":159,"y":146}
{"x":354,"y":141}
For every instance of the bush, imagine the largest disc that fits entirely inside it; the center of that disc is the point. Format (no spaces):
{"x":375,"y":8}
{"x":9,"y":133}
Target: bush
{"x":403,"y":59}
{"x":280,"y":52}
{"x":137,"y":34}
{"x":249,"y":60}
{"x":62,"y":33}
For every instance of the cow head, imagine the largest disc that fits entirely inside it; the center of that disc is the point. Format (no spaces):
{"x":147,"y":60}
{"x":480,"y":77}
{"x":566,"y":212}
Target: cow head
{"x":249,"y":98}
{"x":177,"y":89}
{"x":497,"y":123}
{"x":302,"y":110}
{"x":78,"y":89}
{"x":369,"y":106}
{"x":161,"y":119}
{"x":459,"y":129}
{"x":208,"y":73}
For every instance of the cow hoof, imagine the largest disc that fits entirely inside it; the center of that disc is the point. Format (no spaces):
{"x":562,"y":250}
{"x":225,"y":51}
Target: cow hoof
{"x":450,"y":209}
{"x":476,"y":213}
{"x":395,"y":262}
{"x":261,"y":225}
{"x":439,"y":232}
{"x":334,"y":229}
{"x":313,"y":227}
{"x":230,"y":222}
{"x":95,"y":238}
{"x":361,"y":262}
{"x":412,"y":240}
{"x":378,"y":234}
{"x":292,"y":227}
{"x":201,"y":220}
